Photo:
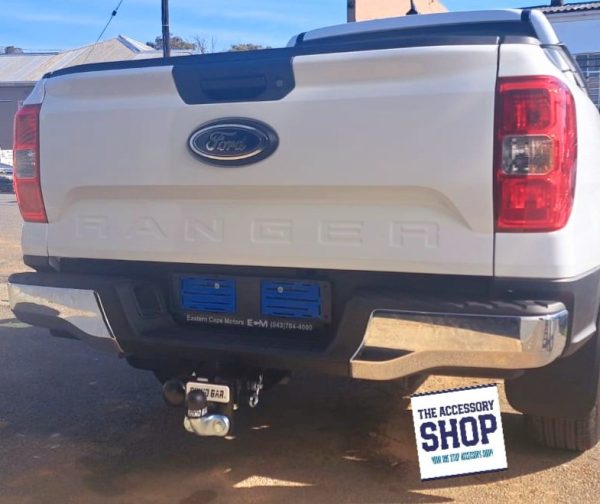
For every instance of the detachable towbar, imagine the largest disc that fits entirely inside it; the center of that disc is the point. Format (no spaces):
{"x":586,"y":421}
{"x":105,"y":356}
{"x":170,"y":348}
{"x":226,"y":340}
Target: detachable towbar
{"x":211,"y":405}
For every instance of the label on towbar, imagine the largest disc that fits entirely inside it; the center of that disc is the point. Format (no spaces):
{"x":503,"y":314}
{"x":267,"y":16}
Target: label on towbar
{"x":459,"y":432}
{"x":213,"y":392}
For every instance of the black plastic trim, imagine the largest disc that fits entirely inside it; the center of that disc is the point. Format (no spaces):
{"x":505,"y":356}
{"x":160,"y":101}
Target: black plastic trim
{"x":37,"y":263}
{"x":462,"y":30}
{"x":581,"y":296}
{"x":572,"y":63}
{"x":262,"y":76}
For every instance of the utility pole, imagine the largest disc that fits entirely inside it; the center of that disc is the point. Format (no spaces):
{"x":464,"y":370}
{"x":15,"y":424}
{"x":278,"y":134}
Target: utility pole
{"x":413,"y":10}
{"x":166,"y":35}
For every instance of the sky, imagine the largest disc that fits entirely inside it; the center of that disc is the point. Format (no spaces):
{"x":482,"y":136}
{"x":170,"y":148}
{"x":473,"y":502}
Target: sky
{"x":37,"y":25}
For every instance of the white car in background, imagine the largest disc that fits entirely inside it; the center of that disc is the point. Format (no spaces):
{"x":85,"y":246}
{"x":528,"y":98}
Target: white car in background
{"x":6,"y":178}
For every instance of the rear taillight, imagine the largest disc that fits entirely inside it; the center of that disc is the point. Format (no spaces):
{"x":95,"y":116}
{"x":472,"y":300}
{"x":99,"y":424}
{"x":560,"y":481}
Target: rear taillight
{"x":535,"y":154}
{"x":26,"y":161}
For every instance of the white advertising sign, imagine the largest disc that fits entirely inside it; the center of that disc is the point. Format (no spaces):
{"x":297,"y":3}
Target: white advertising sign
{"x":459,"y":432}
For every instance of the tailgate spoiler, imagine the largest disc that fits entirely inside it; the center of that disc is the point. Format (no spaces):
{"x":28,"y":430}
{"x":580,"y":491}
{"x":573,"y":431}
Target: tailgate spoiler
{"x":452,"y":28}
{"x":501,"y":23}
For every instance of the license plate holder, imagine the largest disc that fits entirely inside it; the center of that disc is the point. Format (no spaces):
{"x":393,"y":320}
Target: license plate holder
{"x":240,"y":302}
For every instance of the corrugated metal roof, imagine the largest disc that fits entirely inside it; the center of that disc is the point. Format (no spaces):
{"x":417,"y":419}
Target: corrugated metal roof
{"x":30,"y":68}
{"x":135,"y":45}
{"x":23,"y":68}
{"x":571,"y":7}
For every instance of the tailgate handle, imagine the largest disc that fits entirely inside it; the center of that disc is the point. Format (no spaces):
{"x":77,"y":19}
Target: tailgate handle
{"x":265,"y":75}
{"x":234,"y":88}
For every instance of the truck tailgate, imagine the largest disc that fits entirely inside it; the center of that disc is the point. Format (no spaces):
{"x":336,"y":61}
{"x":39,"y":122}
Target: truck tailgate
{"x":384,"y":163}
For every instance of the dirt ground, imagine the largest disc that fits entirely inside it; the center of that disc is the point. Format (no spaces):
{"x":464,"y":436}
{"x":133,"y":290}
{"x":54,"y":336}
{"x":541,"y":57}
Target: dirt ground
{"x":80,"y":427}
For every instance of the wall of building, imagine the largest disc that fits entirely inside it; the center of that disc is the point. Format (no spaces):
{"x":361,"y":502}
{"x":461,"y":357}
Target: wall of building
{"x":363,"y":10}
{"x":10,"y":97}
{"x":581,"y":32}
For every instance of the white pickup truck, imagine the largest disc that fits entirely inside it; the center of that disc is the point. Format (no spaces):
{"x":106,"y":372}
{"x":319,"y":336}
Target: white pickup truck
{"x":380,"y":200}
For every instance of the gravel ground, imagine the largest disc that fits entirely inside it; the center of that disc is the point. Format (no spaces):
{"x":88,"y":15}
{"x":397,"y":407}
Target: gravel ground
{"x":79,"y":427}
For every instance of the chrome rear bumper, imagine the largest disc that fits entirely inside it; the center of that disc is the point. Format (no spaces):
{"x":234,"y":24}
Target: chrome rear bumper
{"x":398,"y":343}
{"x":77,"y":312}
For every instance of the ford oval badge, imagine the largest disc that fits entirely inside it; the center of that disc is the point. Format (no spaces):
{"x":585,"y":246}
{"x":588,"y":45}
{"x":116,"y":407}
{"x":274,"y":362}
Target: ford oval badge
{"x":233,"y":142}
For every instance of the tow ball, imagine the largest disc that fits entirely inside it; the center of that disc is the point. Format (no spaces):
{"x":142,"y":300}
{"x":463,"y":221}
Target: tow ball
{"x":197,"y":419}
{"x":210,"y":406}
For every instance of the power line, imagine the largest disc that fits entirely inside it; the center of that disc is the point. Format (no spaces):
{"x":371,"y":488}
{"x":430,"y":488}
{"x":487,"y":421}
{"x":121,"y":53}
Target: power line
{"x":112,"y":15}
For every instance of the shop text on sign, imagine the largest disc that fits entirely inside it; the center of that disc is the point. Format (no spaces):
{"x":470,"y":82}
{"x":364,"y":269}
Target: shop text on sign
{"x":459,"y":432}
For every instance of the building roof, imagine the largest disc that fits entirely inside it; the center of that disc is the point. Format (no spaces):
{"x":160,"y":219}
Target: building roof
{"x":19,"y":68}
{"x":568,"y":7}
{"x":29,"y":68}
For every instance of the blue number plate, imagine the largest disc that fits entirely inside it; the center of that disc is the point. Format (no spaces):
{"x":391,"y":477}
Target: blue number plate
{"x":206,"y":294}
{"x":290,"y":299}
